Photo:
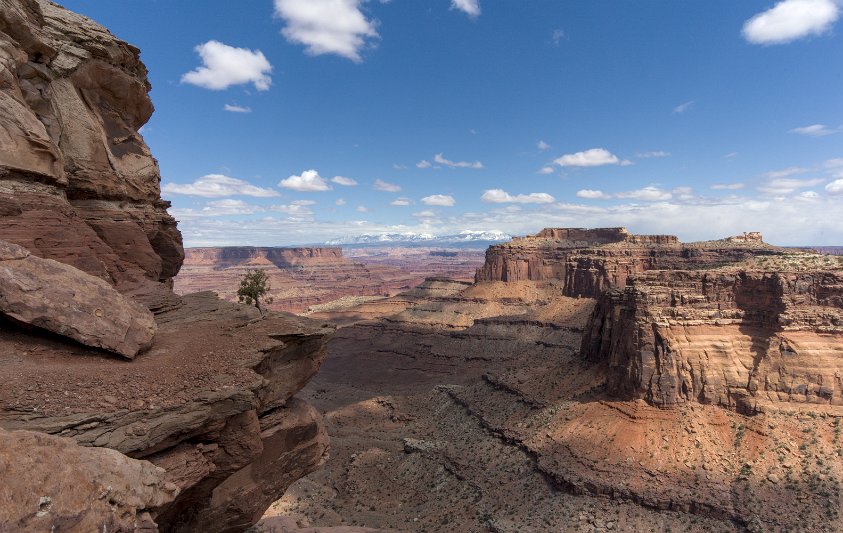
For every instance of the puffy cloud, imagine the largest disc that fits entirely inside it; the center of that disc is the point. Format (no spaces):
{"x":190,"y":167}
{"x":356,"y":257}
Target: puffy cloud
{"x":217,"y":208}
{"x":815,"y":130}
{"x":224,"y":66}
{"x":381,"y":185}
{"x":594,"y":157}
{"x":401,"y":202}
{"x":439,"y":159}
{"x":591,"y":194}
{"x":499,"y":196}
{"x":469,"y":7}
{"x":727,"y":186}
{"x":340,"y":201}
{"x":546,"y":170}
{"x":681,"y":108}
{"x":327,"y":26}
{"x":790,"y":20}
{"x":835,"y":187}
{"x":647,"y":194}
{"x":442,"y":200}
{"x":424,"y":163}
{"x":362,"y":209}
{"x":237,"y":108}
{"x":217,"y":185}
{"x":345,"y":182}
{"x":543,"y":146}
{"x":308,"y":181}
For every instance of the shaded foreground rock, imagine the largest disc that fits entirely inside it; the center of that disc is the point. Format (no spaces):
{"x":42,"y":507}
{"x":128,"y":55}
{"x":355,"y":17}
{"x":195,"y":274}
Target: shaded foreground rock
{"x":64,"y":300}
{"x":210,"y":402}
{"x":72,"y":488}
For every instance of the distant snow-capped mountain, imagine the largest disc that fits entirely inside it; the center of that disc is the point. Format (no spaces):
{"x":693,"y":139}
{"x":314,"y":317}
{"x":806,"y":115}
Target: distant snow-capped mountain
{"x":424,"y":239}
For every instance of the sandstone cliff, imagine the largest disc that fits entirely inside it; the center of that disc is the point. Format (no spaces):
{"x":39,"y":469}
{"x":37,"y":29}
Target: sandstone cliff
{"x":249,"y":255}
{"x":77,"y":182}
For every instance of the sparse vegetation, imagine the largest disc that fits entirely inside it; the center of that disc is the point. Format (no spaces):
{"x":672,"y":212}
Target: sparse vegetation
{"x":253,"y":289}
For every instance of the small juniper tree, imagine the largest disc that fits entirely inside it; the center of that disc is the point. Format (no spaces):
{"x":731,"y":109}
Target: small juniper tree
{"x":253,"y":289}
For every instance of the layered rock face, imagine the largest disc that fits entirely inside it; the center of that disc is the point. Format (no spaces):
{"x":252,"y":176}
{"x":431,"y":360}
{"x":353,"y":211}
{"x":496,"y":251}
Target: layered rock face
{"x":281,"y":257}
{"x":747,"y":340}
{"x":590,"y":261}
{"x":77,"y":182}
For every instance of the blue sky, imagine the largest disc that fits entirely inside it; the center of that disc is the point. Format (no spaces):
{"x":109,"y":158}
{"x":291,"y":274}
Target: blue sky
{"x":297,"y":121}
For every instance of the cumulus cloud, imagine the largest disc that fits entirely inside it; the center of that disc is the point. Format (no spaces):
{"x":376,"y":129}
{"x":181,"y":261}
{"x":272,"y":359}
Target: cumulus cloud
{"x":401,"y":202}
{"x":594,"y":157}
{"x":546,"y":170}
{"x":232,"y":108}
{"x":469,"y":7}
{"x":442,"y":200}
{"x":308,"y":181}
{"x":815,"y":130}
{"x":218,"y":185}
{"x":790,"y":20}
{"x":543,"y":146}
{"x":727,"y":186}
{"x":381,"y":185}
{"x":345,"y":182}
{"x":647,"y":194}
{"x":681,"y":108}
{"x":592,"y":194}
{"x":439,"y":159}
{"x":424,"y":163}
{"x":499,"y":196}
{"x":224,"y":66}
{"x":835,"y":187}
{"x":327,"y":26}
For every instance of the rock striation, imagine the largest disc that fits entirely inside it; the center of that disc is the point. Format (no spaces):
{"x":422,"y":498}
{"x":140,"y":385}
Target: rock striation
{"x":744,"y":339}
{"x":589,"y":261}
{"x":77,"y":182}
{"x":229,"y":256}
{"x":66,"y":301}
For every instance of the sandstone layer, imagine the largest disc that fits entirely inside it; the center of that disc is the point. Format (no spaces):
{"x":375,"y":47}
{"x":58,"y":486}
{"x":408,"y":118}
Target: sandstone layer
{"x":73,"y":488}
{"x":64,"y":300}
{"x":77,"y":182}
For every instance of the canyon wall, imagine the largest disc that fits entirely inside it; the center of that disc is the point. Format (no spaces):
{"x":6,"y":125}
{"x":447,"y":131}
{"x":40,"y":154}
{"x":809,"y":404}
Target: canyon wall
{"x":228,"y":256}
{"x":77,"y":182}
{"x":747,"y":340}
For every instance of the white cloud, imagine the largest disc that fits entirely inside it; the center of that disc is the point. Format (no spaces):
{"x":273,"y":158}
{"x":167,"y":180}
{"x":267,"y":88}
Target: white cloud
{"x":439,"y":159}
{"x":401,"y":202}
{"x":785,"y":186}
{"x":424,"y":163}
{"x":469,"y":7}
{"x":592,"y":194}
{"x":835,"y":187}
{"x":295,"y":209}
{"x":218,"y":185}
{"x":815,"y":130}
{"x":647,"y":194}
{"x":304,"y":202}
{"x":345,"y":182}
{"x":381,"y":185}
{"x":499,"y":196}
{"x":730,"y":155}
{"x":594,"y":157}
{"x":442,"y":200}
{"x":727,"y":186}
{"x":217,"y":208}
{"x":681,"y":108}
{"x":224,"y":66}
{"x":340,"y":201}
{"x":650,"y":155}
{"x":327,"y":26}
{"x":362,"y":209}
{"x":786,"y":172}
{"x":237,"y":108}
{"x":308,"y":181}
{"x":790,"y":20}
{"x":546,"y":170}
{"x":425,"y":214}
{"x":543,"y":146}
{"x":557,"y":35}
{"x":396,"y":166}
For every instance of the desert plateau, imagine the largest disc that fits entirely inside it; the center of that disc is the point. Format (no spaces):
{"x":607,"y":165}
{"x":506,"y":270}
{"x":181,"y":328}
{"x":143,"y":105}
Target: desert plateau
{"x":647,"y":338}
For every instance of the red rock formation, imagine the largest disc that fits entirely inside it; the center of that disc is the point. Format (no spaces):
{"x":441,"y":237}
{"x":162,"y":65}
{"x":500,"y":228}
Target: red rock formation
{"x":77,"y":182}
{"x":244,"y":255}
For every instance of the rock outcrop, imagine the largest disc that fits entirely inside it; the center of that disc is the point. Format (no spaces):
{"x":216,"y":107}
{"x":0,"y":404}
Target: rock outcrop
{"x":229,"y":256}
{"x":743,"y":339}
{"x":77,"y":182}
{"x":590,"y":261}
{"x":64,"y":300}
{"x":73,"y":488}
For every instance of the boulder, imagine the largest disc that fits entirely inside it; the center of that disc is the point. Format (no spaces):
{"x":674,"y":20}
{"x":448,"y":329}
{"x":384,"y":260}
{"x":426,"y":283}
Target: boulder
{"x":66,"y":301}
{"x":52,"y":484}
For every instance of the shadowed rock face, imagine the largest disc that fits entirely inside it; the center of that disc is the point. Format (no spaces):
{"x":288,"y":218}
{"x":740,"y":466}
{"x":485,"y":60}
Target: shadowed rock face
{"x":77,"y":182}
